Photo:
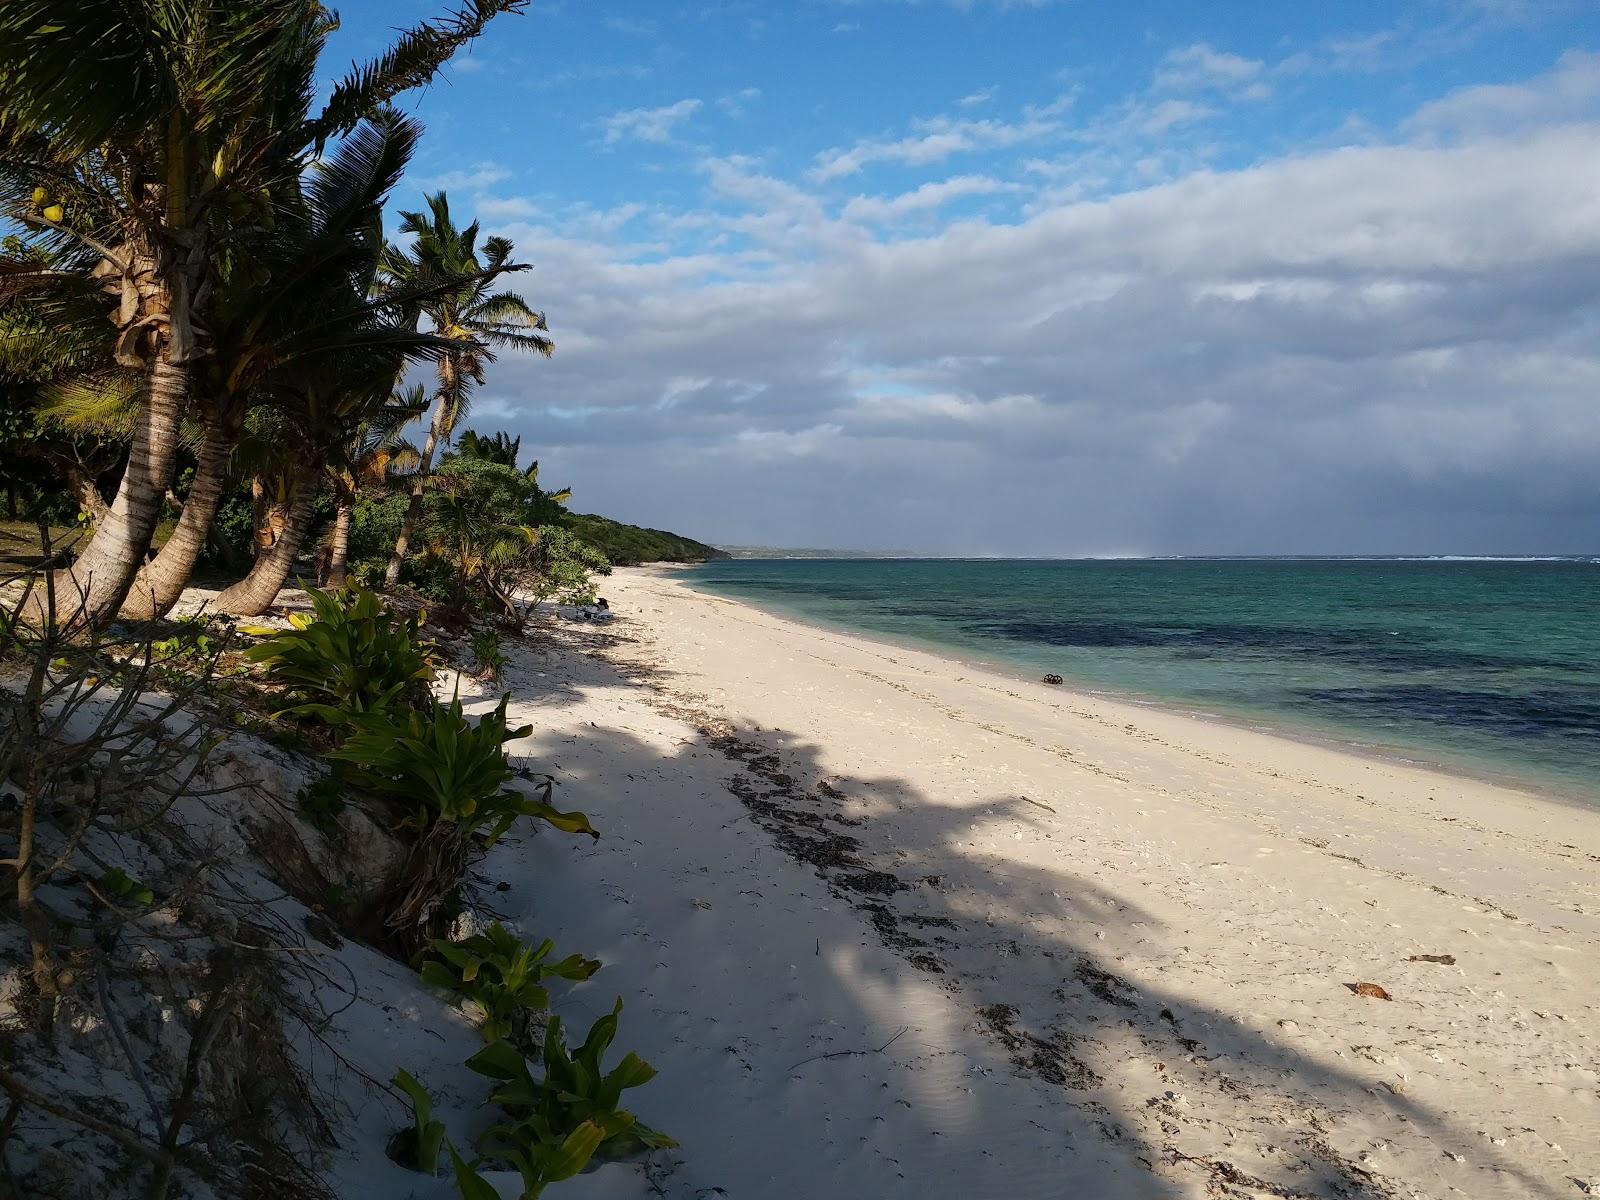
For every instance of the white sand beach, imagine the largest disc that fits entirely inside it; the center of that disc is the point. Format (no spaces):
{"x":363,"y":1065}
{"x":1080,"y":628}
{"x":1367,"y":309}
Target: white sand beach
{"x":893,"y":926}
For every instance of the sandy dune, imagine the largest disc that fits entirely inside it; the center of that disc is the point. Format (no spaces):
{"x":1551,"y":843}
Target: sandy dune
{"x":894,"y":926}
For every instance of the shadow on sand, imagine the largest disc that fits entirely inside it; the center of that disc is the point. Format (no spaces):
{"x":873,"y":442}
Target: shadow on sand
{"x":1136,"y":1091}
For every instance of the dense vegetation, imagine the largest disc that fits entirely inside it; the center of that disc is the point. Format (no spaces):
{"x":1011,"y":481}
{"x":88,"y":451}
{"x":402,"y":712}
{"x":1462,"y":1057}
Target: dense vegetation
{"x":209,"y":361}
{"x":630,"y":545}
{"x":246,"y":404}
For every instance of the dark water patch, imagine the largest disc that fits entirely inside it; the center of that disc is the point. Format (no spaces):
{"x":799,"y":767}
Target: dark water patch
{"x":1381,"y":652}
{"x":1549,"y":712}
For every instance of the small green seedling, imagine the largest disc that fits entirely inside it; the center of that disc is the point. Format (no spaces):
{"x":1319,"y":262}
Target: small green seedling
{"x":501,"y":974}
{"x":419,"y":1146}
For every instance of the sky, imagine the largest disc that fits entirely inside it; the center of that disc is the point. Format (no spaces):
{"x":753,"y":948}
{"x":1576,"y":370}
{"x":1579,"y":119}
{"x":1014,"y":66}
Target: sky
{"x":1045,"y":277}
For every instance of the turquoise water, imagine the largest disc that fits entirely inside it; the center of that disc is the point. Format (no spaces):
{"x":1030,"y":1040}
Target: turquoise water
{"x":1488,"y":667}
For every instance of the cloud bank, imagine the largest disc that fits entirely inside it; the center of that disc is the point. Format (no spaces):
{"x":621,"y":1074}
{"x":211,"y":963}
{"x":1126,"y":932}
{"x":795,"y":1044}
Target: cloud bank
{"x":1381,"y":347}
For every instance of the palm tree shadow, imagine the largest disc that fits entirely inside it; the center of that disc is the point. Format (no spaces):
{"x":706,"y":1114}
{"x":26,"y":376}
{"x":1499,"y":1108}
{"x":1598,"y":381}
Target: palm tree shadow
{"x":1150,"y":1091}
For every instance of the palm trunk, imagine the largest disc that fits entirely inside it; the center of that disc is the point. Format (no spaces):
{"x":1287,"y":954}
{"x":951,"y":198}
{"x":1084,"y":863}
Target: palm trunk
{"x":258,"y":513}
{"x":254,"y":594}
{"x":391,"y":574}
{"x":84,"y":490}
{"x":439,"y":430}
{"x":339,"y":548}
{"x":161,"y":582}
{"x":93,"y":588}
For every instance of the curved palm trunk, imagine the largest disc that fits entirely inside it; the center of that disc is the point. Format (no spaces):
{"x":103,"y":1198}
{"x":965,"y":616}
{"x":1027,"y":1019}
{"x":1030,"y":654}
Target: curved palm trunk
{"x":93,"y":588}
{"x":391,"y":574}
{"x":254,"y":594}
{"x":259,"y":509}
{"x":161,"y":582}
{"x":339,"y":548}
{"x":85,"y":492}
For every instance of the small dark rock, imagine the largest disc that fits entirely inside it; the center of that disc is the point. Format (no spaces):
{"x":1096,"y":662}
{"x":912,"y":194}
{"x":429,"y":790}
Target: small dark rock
{"x":322,"y":929}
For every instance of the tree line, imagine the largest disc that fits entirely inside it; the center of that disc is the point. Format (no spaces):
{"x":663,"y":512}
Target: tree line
{"x":198,"y":295}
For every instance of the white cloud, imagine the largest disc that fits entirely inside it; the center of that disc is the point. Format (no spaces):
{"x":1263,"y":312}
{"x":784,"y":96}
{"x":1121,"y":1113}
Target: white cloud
{"x":631,"y":26}
{"x":736,"y":104}
{"x":1377,"y":347}
{"x":509,"y":208}
{"x":1169,"y":114}
{"x":1203,"y":67}
{"x":935,"y":140}
{"x":470,"y":179}
{"x":926,"y":198}
{"x":1571,"y":92}
{"x":649,"y":124}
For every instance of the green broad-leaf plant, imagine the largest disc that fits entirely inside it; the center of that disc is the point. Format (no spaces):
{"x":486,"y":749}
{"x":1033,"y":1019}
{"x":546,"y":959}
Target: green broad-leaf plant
{"x":576,"y":1093}
{"x":352,"y":658}
{"x":447,"y":770}
{"x":502,"y":975}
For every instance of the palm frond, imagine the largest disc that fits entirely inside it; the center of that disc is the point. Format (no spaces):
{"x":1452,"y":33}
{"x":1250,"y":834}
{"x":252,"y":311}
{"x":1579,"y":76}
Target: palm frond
{"x":362,"y":171}
{"x":411,"y":62}
{"x":89,"y":72}
{"x":102,"y":403}
{"x":506,"y":308}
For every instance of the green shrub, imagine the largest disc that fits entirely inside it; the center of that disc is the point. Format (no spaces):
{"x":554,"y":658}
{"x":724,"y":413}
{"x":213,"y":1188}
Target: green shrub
{"x":419,"y":1146}
{"x":575,"y":1093}
{"x":487,"y":656}
{"x":501,"y":974}
{"x":232,"y":529}
{"x":191,"y":639}
{"x":355,"y":657}
{"x":375,"y":523}
{"x":447,"y":769}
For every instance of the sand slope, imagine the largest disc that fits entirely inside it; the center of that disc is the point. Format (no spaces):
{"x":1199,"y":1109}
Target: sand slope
{"x":891,"y":926}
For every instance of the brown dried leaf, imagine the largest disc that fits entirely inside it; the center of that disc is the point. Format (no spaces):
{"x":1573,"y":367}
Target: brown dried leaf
{"x":1369,"y":989}
{"x":1448,"y":960}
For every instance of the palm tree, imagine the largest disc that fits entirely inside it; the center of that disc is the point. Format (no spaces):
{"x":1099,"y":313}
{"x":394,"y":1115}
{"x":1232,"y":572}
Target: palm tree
{"x":502,"y":448}
{"x":303,"y":298}
{"x":150,"y":140}
{"x":365,"y":461}
{"x":473,"y":314}
{"x":325,"y":405}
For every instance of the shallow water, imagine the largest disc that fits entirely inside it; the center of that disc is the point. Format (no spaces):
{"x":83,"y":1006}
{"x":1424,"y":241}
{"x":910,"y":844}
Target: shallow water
{"x":1487,"y":666}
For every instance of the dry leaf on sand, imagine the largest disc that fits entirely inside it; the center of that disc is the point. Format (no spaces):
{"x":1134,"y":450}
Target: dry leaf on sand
{"x":1369,"y":989}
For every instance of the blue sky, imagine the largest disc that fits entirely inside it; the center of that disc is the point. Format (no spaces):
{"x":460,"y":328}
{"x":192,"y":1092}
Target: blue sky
{"x":1053,"y":278}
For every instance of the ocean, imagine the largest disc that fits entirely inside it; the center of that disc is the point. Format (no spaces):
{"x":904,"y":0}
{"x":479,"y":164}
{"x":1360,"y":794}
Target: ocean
{"x":1489,"y":667}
